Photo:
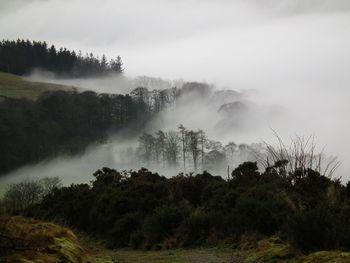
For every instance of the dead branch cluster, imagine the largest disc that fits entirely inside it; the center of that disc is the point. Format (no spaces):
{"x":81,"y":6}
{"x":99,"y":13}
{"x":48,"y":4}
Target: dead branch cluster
{"x":301,"y":154}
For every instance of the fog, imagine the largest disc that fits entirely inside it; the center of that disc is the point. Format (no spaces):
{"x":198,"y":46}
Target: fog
{"x":290,"y":59}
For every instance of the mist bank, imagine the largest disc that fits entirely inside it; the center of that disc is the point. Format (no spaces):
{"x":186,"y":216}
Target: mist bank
{"x":225,"y":115}
{"x":110,"y":83}
{"x":290,"y":59}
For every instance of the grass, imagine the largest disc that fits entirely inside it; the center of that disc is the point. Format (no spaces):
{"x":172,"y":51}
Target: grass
{"x":48,"y":242}
{"x":273,"y":250}
{"x":270,"y":250}
{"x":198,"y":255}
{"x":327,"y":257}
{"x":12,"y":86}
{"x":36,"y":241}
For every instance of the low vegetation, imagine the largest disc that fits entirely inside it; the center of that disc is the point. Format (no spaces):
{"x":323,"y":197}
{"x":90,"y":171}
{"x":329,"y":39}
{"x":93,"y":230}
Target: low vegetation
{"x":144,"y":210}
{"x":29,"y":240}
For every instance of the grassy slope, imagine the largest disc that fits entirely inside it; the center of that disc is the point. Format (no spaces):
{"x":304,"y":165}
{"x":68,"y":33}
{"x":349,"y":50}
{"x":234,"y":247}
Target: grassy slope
{"x":36,"y":241}
{"x":13,"y":86}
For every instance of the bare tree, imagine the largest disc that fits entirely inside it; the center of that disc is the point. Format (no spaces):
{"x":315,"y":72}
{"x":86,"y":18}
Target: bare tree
{"x":159,"y":145}
{"x":230,"y":150}
{"x":171,"y":147}
{"x":183,"y":132}
{"x":22,"y":195}
{"x":50,"y":183}
{"x":202,"y":142}
{"x":193,"y":147}
{"x":300,"y":155}
{"x":146,"y":147}
{"x":214,"y":145}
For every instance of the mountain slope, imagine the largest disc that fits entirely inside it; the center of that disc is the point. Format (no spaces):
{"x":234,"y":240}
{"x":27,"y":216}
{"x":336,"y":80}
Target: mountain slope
{"x":12,"y":86}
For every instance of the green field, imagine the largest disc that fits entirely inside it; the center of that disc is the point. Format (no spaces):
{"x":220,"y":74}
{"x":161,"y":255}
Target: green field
{"x":12,"y":86}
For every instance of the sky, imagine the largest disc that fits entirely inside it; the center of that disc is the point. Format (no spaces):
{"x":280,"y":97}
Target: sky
{"x":217,"y":41}
{"x":293,"y":53}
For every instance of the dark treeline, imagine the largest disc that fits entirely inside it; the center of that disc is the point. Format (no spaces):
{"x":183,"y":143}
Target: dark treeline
{"x":158,"y":99}
{"x":22,"y":57}
{"x":62,"y":123}
{"x":145,"y":210}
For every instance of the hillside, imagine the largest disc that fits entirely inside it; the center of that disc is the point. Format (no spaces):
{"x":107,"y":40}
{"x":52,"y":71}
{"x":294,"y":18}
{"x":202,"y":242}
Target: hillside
{"x":12,"y":86}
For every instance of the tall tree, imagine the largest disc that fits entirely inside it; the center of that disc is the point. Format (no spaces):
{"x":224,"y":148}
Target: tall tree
{"x":172,"y":147}
{"x":183,"y":132}
{"x":147,"y":143}
{"x":160,"y":146}
{"x":202,"y":141}
{"x":193,"y":147}
{"x":230,"y":150}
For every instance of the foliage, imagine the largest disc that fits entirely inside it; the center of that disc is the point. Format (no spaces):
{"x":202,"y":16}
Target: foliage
{"x":23,"y":56}
{"x":61,"y":123}
{"x":145,"y":210}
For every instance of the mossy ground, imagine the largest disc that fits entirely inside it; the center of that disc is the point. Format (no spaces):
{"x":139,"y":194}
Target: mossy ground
{"x":12,"y":86}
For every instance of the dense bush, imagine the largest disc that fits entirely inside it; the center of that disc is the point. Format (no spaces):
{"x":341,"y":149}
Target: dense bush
{"x":144,"y":209}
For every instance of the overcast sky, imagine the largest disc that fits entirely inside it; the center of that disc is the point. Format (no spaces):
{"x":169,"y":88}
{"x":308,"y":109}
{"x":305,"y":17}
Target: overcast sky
{"x":223,"y":40}
{"x":293,"y":52}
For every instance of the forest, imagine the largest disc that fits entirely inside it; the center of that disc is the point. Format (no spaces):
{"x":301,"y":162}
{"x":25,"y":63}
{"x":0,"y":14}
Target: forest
{"x":67,"y":122}
{"x":62,"y":123}
{"x":23,"y":56}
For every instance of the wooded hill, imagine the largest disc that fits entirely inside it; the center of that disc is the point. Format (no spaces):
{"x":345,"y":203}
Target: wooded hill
{"x":23,"y":56}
